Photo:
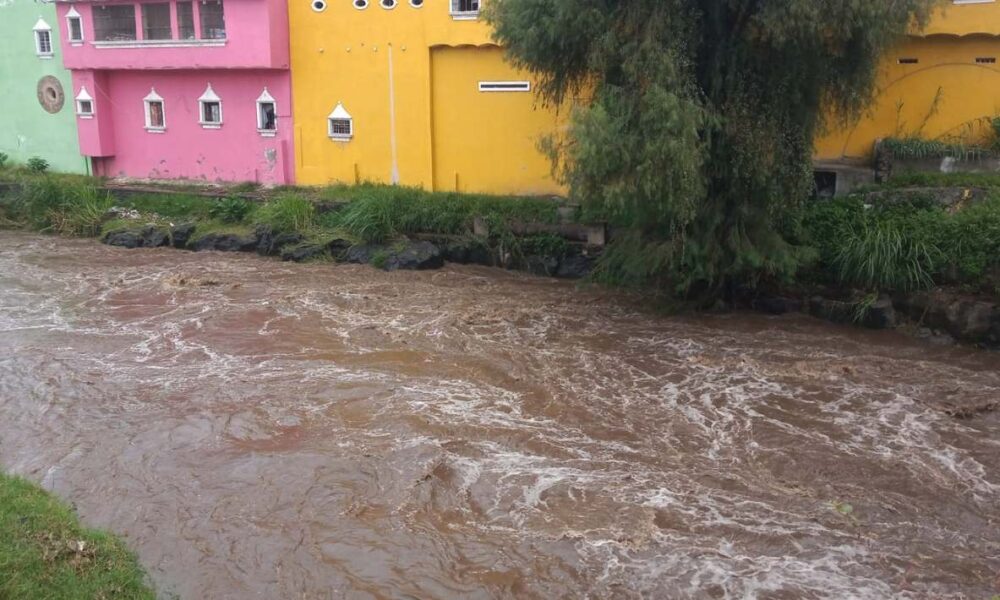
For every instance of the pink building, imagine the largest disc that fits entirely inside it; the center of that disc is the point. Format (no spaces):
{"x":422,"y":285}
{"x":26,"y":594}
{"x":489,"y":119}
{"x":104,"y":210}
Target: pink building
{"x":182,"y":89}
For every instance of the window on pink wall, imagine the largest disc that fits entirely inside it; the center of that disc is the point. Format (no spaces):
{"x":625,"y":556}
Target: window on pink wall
{"x":213,"y":20}
{"x":156,"y":21}
{"x":115,"y":23}
{"x":185,"y":21}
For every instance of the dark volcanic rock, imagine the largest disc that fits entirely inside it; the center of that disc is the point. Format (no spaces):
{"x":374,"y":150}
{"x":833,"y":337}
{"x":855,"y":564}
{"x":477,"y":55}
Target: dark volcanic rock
{"x":541,"y":265}
{"x":124,"y":238}
{"x":225,"y":242}
{"x":149,"y":236}
{"x":574,"y":267}
{"x":305,"y":252}
{"x":181,"y":234}
{"x":270,"y":243}
{"x":968,"y":319}
{"x":777,"y":305}
{"x":881,"y":314}
{"x":415,"y":256}
{"x":362,"y":254}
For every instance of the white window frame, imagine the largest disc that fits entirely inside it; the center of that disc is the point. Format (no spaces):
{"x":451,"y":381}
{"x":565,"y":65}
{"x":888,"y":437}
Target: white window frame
{"x":339,"y":114}
{"x":43,"y":29}
{"x":464,"y":15}
{"x":209,"y":97}
{"x":82,"y":97}
{"x":147,"y":101}
{"x":495,"y":87}
{"x":266,"y":98}
{"x":71,"y":16}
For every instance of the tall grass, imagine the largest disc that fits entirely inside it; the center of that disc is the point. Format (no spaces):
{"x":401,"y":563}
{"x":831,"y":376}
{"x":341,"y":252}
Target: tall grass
{"x":63,"y":207}
{"x":288,"y":212}
{"x":880,"y":255}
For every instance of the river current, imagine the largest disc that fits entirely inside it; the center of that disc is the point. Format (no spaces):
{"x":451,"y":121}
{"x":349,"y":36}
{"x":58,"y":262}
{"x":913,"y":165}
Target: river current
{"x":257,"y":429}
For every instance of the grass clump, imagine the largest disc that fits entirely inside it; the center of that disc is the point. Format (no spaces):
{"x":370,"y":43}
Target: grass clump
{"x":287,"y":213}
{"x":231,"y":210}
{"x":63,"y":207}
{"x":45,"y":554}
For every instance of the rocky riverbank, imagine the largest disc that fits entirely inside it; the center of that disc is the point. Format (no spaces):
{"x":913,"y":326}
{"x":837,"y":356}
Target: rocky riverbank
{"x":570,"y":262}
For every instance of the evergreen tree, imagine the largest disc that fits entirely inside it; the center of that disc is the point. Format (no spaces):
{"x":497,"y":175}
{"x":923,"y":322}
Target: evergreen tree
{"x":693,"y":120}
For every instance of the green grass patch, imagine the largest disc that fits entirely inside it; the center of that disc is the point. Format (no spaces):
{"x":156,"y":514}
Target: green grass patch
{"x":206,"y":228}
{"x":45,"y":553}
{"x":171,"y":206}
{"x":288,"y":212}
{"x":939,"y":180}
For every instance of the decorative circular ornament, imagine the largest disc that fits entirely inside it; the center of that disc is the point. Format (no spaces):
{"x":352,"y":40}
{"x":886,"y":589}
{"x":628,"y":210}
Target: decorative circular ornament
{"x":50,"y":94}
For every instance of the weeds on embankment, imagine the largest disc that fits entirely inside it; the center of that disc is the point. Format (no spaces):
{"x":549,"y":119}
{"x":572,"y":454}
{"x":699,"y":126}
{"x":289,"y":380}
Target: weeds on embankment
{"x":46,"y":554}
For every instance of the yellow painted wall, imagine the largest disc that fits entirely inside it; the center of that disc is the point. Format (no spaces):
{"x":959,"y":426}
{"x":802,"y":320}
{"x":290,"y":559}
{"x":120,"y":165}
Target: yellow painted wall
{"x":947,"y":95}
{"x":410,"y":76}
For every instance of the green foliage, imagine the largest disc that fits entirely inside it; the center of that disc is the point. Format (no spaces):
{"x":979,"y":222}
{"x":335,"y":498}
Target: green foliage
{"x":934,"y":179}
{"x":881,"y":255}
{"x":904,"y":243}
{"x":377,"y":213}
{"x":64,"y":207}
{"x":379,"y":259}
{"x":231,"y":210}
{"x":918,"y":148}
{"x":544,"y":244}
{"x":171,"y":206}
{"x":37,"y":164}
{"x":693,"y":121}
{"x":288,"y":212}
{"x":46,"y":555}
{"x":3,"y":159}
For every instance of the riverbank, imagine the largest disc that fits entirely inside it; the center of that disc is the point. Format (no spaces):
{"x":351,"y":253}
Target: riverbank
{"x":920,"y":254}
{"x":45,"y":553}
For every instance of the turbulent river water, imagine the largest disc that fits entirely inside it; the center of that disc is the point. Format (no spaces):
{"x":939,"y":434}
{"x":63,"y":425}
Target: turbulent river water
{"x":257,"y":429}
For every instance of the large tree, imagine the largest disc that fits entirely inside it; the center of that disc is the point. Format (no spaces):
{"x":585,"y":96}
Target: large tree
{"x":693,"y":120}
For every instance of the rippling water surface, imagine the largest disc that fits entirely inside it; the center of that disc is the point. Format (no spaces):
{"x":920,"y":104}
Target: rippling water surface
{"x":264,"y":430}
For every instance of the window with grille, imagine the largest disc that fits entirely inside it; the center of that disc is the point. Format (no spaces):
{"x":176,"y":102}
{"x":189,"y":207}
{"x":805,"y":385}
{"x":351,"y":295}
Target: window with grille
{"x":43,"y":43}
{"x":156,"y":21}
{"x":213,"y":20}
{"x":465,"y":8}
{"x":185,"y":21}
{"x":341,"y":128}
{"x":114,"y":23}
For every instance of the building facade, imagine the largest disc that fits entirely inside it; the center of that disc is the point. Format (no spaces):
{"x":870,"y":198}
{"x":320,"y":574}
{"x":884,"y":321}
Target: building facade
{"x":181,"y":89}
{"x":412,"y":92}
{"x":943,"y":83}
{"x":35,"y":101}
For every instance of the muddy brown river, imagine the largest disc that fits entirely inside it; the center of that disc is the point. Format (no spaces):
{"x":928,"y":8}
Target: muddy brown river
{"x":256,"y":429}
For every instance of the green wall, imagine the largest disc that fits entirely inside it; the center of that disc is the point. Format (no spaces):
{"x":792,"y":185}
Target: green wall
{"x":26,"y":128}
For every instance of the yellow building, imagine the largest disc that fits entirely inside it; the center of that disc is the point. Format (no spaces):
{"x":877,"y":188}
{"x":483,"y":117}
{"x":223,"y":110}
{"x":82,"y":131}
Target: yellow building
{"x":943,"y":83}
{"x":412,"y":92}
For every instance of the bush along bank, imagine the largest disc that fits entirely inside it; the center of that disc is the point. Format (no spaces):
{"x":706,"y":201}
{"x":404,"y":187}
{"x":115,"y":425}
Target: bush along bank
{"x":923,"y":256}
{"x":388,"y":227}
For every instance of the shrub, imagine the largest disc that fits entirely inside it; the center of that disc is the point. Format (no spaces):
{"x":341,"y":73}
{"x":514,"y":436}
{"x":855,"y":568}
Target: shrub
{"x":65,"y":207}
{"x":231,"y":210}
{"x":288,"y":212}
{"x":3,"y":160}
{"x":37,"y":164}
{"x":882,"y":255}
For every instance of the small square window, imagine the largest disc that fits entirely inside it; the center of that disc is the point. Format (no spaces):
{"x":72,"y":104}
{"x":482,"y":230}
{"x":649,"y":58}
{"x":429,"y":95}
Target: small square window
{"x":468,"y":9}
{"x":85,"y":108}
{"x":211,"y":113}
{"x":43,"y":43}
{"x":341,"y":129}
